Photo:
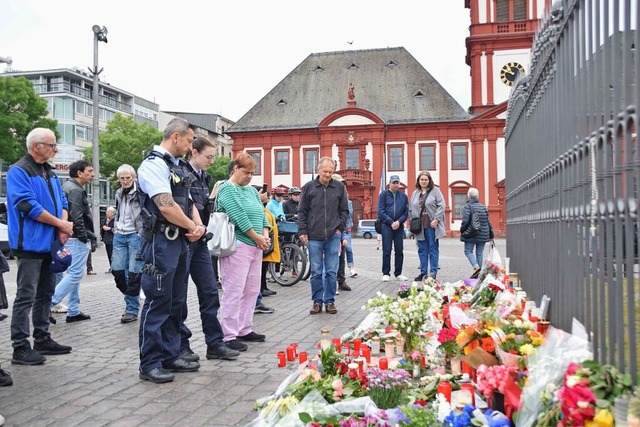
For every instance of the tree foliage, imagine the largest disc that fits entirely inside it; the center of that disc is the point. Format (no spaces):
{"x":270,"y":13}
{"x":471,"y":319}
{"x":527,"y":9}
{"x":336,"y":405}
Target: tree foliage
{"x":124,"y":141}
{"x":21,"y":110}
{"x":218,"y":170}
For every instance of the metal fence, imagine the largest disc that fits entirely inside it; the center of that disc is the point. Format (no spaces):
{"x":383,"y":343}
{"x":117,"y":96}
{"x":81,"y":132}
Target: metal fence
{"x":573,"y":174}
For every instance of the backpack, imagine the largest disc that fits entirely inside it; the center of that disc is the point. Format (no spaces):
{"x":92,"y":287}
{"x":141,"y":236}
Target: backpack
{"x":474,"y":225}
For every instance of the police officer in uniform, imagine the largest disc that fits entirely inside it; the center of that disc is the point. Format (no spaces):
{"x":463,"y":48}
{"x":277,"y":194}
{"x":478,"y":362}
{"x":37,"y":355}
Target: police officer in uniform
{"x":171,"y":222}
{"x":200,"y":264}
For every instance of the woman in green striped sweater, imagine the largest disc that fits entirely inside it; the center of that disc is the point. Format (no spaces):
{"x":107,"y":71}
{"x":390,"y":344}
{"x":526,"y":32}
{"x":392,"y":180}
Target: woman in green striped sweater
{"x":241,"y":271}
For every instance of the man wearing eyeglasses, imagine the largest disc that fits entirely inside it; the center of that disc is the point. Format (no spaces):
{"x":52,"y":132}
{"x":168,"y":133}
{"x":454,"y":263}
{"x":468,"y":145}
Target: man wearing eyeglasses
{"x":126,"y":264}
{"x":393,"y":209}
{"x":36,"y":207}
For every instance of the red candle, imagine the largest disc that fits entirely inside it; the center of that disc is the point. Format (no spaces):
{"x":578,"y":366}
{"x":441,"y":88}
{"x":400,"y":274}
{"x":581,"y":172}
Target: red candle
{"x":282,"y":361}
{"x":356,"y":344}
{"x":302,"y":356}
{"x":291,"y":354}
{"x":423,"y":361}
{"x":346,"y":349}
{"x":365,"y":352}
{"x":383,"y":363}
{"x":336,"y":343}
{"x":444,"y":387}
{"x":295,"y":348}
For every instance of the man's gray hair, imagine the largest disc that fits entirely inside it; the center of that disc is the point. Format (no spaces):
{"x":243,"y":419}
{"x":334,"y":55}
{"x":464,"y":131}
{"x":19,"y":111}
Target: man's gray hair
{"x":38,"y":135}
{"x":473,"y":193}
{"x":324,"y":160}
{"x":126,"y":169}
{"x":179,"y":125}
{"x":111,"y":209}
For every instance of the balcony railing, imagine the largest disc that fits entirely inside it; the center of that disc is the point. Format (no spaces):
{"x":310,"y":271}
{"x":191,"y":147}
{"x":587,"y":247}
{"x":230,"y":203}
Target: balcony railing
{"x":82,"y":93}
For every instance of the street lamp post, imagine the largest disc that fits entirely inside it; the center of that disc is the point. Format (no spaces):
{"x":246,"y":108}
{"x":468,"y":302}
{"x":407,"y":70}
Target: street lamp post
{"x":99,"y":35}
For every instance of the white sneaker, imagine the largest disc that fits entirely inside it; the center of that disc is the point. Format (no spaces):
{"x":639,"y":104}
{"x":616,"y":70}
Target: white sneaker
{"x":401,"y":277}
{"x":385,"y":278}
{"x":353,"y":271}
{"x":59,"y":308}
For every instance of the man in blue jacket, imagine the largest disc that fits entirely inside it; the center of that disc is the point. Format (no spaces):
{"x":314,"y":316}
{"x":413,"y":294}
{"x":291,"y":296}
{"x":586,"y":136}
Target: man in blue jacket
{"x":37,"y":216}
{"x":393,"y":210}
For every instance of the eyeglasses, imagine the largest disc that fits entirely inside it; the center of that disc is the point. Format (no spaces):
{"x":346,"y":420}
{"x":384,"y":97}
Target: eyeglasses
{"x":125,"y":178}
{"x":52,"y":146}
{"x":395,"y":182}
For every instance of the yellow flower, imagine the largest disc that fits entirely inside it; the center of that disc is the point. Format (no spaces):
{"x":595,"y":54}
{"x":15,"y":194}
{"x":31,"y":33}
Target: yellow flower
{"x":603,"y":418}
{"x":536,"y":337}
{"x":527,"y":349}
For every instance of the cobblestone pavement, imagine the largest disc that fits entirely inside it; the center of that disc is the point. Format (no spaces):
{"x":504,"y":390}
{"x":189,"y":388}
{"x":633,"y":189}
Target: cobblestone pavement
{"x":97,"y":384}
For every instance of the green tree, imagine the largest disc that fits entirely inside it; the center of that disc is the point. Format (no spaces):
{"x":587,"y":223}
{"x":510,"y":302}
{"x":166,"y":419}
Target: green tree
{"x":21,"y":110}
{"x":124,"y":141}
{"x":218,"y":170}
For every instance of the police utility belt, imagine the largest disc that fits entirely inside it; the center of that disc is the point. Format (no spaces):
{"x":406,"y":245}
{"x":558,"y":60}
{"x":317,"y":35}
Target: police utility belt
{"x":171,"y":231}
{"x":152,"y":225}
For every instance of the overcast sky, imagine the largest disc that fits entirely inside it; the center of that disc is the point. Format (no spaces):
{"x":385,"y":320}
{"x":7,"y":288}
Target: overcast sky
{"x":223,"y":57}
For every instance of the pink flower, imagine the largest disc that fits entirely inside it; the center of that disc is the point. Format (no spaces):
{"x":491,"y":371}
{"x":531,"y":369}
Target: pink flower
{"x":337,"y":388}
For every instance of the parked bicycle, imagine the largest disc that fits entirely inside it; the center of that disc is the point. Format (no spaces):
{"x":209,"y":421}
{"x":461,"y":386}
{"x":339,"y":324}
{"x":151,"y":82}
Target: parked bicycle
{"x":293,"y":264}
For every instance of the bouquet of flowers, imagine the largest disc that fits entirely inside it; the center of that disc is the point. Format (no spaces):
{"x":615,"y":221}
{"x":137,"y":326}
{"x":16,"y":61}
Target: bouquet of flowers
{"x":448,"y":344}
{"x":407,"y":315}
{"x":496,"y":378}
{"x":386,"y":387}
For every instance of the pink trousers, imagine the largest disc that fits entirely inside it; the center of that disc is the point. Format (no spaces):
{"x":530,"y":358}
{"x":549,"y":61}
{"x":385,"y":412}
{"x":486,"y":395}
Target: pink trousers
{"x":240,"y":288}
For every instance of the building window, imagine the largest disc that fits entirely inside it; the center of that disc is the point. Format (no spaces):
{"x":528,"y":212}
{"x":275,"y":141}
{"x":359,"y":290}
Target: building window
{"x":395,"y":155}
{"x":459,"y":200}
{"x":310,"y":160}
{"x":352,"y":158}
{"x":282,"y":161}
{"x":63,"y":108}
{"x":81,"y":132}
{"x":427,"y":157}
{"x":67,"y":134}
{"x":257,"y":156}
{"x":459,"y":156}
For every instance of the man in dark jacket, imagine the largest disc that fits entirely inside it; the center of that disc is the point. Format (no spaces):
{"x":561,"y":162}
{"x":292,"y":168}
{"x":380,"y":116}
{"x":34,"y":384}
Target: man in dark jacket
{"x":37,"y":207}
{"x":322,"y":218}
{"x":80,"y":173}
{"x":393,"y":209}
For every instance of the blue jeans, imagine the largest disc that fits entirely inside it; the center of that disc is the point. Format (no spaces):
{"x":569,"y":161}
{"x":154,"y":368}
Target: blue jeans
{"x":475,"y":260}
{"x":35,"y":285}
{"x":70,"y":284}
{"x":323,"y":255}
{"x":127,"y":259}
{"x":392,"y":237}
{"x":349,"y":250}
{"x":428,"y":252}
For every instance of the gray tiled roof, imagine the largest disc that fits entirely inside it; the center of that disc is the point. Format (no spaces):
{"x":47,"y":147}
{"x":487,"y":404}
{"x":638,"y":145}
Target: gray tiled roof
{"x":202,"y":120}
{"x":386,"y":83}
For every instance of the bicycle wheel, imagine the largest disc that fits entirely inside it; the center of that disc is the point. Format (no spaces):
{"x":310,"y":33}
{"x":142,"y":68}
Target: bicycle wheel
{"x":292,"y":265}
{"x":307,"y":271}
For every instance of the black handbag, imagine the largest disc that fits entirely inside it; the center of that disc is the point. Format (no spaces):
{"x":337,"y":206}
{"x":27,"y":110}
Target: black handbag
{"x":378,"y":226}
{"x":415,"y":226}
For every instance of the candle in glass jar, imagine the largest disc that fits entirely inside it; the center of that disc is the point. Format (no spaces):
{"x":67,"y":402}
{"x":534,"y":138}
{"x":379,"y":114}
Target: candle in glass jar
{"x":400,"y":346}
{"x":389,"y":346}
{"x":356,"y":344}
{"x":365,"y":352}
{"x":295,"y":349}
{"x":325,"y":339}
{"x":444,"y":388}
{"x":291,"y":354}
{"x":302,"y":356}
{"x":469,"y":388}
{"x":282,"y":359}
{"x":383,"y":363}
{"x":375,"y":346}
{"x":353,"y":367}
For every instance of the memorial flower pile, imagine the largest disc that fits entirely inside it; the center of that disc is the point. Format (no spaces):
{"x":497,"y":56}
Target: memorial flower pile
{"x":386,"y":387}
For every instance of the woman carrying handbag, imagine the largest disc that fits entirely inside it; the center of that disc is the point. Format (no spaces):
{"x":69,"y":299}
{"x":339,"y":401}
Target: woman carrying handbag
{"x":427,"y":204}
{"x":475,"y":230}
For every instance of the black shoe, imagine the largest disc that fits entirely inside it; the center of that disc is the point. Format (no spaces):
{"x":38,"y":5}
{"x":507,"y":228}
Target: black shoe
{"x":268,"y":292}
{"x":343,"y":286}
{"x":52,"y":320}
{"x":5,"y":378}
{"x":252,"y":337}
{"x":475,"y":274}
{"x":128,"y":318}
{"x":181,"y":365}
{"x":261,"y":308}
{"x":78,"y":317}
{"x":419,"y":278}
{"x":49,"y":346}
{"x":221,"y":351}
{"x":188,"y":355}
{"x":3,"y":316}
{"x":157,"y":375}
{"x":236,"y":345}
{"x":26,"y":356}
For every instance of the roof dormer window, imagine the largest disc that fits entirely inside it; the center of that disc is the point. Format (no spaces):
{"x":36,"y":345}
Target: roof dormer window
{"x":281,"y":103}
{"x":391,"y":64}
{"x":353,"y":66}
